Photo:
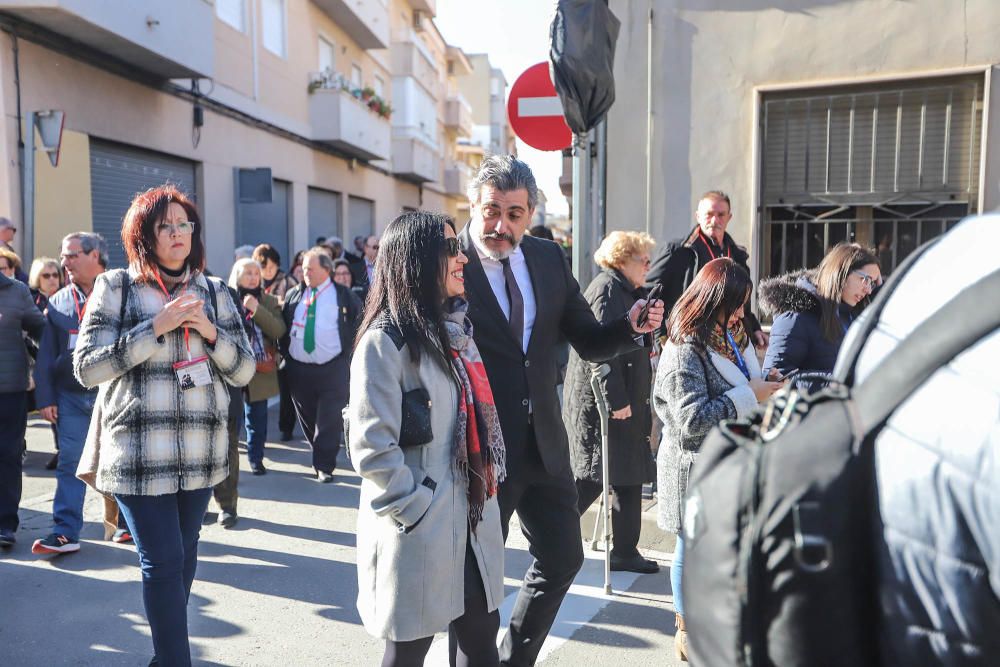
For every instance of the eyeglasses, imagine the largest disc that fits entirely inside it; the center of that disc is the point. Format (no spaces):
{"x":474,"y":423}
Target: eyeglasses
{"x":645,"y":261}
{"x":870,"y":283}
{"x":48,"y":275}
{"x":184,"y":228}
{"x":373,"y":247}
{"x":452,"y":247}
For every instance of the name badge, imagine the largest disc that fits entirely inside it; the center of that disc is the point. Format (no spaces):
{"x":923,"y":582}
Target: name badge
{"x":193,"y":373}
{"x":71,"y":345}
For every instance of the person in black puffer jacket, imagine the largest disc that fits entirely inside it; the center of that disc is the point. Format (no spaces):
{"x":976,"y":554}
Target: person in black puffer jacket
{"x":812,"y":310}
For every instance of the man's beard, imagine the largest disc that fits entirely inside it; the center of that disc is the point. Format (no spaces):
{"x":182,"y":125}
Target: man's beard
{"x":499,"y":255}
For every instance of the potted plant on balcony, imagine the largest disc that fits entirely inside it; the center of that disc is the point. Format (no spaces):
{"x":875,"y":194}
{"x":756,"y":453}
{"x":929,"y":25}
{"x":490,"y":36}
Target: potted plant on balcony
{"x":367,"y":93}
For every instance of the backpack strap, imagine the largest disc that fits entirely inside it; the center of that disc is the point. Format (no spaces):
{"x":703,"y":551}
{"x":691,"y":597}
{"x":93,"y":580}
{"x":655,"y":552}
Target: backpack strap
{"x":959,"y":324}
{"x":212,"y":297}
{"x":126,"y":284}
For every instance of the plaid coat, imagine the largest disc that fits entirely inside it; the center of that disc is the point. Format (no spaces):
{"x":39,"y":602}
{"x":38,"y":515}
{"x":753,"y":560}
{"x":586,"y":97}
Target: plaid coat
{"x":154,"y":438}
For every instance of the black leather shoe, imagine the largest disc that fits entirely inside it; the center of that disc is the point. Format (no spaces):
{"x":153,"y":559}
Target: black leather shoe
{"x":323,"y":477}
{"x":7,"y":539}
{"x":286,"y":436}
{"x":634,"y":564}
{"x":258,"y":469}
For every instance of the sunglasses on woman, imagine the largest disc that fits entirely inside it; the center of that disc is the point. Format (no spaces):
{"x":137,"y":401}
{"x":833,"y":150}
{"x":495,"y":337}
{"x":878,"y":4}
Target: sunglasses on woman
{"x":452,"y":247}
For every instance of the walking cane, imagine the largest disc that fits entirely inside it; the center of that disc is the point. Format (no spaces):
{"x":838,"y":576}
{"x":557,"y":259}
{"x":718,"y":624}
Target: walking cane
{"x":602,"y":408}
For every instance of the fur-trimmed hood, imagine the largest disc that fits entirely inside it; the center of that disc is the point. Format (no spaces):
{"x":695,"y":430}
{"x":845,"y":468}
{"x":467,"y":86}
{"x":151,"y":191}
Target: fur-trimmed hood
{"x":791,"y":292}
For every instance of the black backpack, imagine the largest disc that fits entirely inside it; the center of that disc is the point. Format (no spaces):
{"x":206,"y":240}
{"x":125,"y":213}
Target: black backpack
{"x":781,"y":519}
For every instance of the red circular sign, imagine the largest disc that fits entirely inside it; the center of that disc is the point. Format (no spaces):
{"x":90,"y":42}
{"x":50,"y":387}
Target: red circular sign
{"x":535,"y":111}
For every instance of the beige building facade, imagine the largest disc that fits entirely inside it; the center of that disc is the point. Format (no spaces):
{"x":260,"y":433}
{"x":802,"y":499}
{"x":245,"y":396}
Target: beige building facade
{"x":825,"y":120}
{"x":285,"y":119}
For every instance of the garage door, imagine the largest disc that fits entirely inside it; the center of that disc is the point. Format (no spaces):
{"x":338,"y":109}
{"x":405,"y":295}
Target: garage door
{"x":117,"y":173}
{"x":324,"y":214}
{"x":361,"y":217}
{"x":266,"y":222}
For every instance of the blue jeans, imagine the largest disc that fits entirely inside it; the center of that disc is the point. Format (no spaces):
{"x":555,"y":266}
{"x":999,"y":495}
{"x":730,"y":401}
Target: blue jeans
{"x":676,"y":575}
{"x":74,"y":418}
{"x":165,"y":530}
{"x":255,"y":421}
{"x":13,"y":419}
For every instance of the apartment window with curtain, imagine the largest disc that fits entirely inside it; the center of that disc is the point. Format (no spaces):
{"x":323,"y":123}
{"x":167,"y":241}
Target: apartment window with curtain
{"x":356,"y":75}
{"x":326,"y":55}
{"x":232,"y":12}
{"x":379,"y":86}
{"x":273,"y":31}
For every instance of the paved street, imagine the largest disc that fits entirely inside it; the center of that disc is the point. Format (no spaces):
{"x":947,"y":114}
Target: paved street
{"x":280,"y":587}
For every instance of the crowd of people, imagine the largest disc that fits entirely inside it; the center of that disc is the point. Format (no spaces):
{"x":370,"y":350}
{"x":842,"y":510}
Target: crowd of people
{"x":433,"y":353}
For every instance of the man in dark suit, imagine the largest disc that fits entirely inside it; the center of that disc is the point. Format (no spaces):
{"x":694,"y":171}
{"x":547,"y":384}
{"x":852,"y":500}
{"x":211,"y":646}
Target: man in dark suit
{"x":522,"y":297}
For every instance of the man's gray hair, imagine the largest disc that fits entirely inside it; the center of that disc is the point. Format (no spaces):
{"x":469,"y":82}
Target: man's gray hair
{"x":89,"y":242}
{"x":324,"y":257}
{"x":504,"y":173}
{"x":243,"y":252}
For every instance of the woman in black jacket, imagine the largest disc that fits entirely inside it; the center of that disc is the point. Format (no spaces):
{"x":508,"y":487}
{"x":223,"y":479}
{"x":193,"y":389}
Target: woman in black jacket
{"x":624,"y":258}
{"x":813,"y":309}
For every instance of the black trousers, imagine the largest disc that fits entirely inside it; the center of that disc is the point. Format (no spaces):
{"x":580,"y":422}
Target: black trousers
{"x":226,"y":492}
{"x":546,"y":506}
{"x":626,"y":522}
{"x":471,"y":637}
{"x":286,"y":409}
{"x":320,"y":393}
{"x":13,"y":421}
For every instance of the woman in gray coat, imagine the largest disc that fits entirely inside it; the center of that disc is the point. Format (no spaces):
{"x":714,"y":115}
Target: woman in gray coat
{"x":425,"y":437}
{"x":708,"y":372}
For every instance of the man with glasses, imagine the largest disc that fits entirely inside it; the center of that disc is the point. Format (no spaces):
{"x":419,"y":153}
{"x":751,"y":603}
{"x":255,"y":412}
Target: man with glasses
{"x":371,"y":254}
{"x":681,"y":260}
{"x":62,"y":400}
{"x":7,"y":233}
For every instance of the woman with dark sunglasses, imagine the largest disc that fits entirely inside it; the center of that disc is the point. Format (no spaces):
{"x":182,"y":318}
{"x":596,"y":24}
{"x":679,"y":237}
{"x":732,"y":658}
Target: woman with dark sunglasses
{"x":425,"y":437}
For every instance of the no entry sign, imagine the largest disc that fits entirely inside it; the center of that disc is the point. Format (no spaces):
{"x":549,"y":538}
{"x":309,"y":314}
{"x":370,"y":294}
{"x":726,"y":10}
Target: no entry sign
{"x":535,"y":111}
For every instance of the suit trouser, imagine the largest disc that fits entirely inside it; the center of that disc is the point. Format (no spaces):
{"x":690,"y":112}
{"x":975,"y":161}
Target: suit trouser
{"x":286,"y":409}
{"x":319,"y":393}
{"x":626,"y":521}
{"x":546,"y":508}
{"x":226,"y":492}
{"x":13,"y":421}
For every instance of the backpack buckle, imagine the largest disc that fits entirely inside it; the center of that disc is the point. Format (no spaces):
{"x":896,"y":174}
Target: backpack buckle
{"x":813,"y":551}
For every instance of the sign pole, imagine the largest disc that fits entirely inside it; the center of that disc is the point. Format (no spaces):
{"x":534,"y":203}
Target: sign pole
{"x":581,"y":204}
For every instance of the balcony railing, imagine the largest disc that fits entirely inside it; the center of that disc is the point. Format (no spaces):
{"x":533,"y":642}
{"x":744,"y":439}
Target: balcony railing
{"x":410,"y":60}
{"x":415,"y":161}
{"x":458,"y":116}
{"x":429,"y":6}
{"x":366,"y":21}
{"x":456,"y":179}
{"x":172,"y":40}
{"x":349,"y":123}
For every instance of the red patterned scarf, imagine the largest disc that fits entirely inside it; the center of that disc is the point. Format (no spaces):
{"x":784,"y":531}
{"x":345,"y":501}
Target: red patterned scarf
{"x":480,"y":455}
{"x":718,"y":343}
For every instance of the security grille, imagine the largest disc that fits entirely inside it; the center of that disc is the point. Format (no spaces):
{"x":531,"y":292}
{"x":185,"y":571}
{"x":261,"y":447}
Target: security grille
{"x":887,"y":165}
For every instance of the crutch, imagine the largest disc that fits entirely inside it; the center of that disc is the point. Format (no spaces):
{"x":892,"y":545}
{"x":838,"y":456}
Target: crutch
{"x":601,"y":400}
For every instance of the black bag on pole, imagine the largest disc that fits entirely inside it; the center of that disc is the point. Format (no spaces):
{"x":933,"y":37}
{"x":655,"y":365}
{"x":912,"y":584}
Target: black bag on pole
{"x":582,"y":60}
{"x":781,"y":517}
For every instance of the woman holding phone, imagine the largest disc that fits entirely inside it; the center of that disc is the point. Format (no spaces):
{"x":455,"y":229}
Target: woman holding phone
{"x":425,"y":437}
{"x":708,"y":372}
{"x":161,"y":341}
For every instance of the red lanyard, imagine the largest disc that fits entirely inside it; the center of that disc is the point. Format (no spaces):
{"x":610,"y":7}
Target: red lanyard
{"x":309,"y":302}
{"x":80,"y":311}
{"x":187,"y":332}
{"x":701,"y":235}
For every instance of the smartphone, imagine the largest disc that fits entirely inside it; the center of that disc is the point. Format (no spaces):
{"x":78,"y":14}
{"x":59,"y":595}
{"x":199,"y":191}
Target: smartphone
{"x":654,"y":294}
{"x":787,"y":376}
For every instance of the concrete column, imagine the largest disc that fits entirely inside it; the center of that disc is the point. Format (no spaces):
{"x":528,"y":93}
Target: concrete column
{"x":217,"y":193}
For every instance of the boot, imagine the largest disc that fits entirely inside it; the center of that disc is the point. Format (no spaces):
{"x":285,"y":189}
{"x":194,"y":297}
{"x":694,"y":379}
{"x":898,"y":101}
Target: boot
{"x":680,"y":639}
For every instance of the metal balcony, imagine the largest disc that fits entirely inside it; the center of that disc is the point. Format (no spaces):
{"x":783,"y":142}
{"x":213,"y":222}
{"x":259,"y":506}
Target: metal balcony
{"x":415,"y":161}
{"x":346,"y":123}
{"x":172,"y":40}
{"x":366,"y":21}
{"x":458,"y":116}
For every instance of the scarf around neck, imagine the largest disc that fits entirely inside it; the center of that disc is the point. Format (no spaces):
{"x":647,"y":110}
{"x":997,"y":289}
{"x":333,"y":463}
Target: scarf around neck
{"x":718,"y":342}
{"x":480,"y":455}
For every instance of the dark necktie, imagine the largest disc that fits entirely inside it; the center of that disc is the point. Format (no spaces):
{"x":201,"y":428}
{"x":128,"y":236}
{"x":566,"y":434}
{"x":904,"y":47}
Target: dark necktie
{"x":516,"y":303}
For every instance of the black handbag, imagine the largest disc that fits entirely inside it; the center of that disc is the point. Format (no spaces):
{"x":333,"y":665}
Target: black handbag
{"x":415,"y":427}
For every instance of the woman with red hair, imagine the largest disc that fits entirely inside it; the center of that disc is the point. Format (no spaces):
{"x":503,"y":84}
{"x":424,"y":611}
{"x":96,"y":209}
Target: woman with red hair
{"x":161,"y":341}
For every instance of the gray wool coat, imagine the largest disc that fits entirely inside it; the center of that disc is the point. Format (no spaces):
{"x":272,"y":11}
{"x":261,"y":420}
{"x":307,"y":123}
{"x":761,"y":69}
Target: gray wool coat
{"x":18,"y":314}
{"x":695,"y":389}
{"x":411,"y":539}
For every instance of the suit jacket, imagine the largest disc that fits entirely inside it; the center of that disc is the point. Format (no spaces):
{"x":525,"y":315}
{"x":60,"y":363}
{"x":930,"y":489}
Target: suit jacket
{"x":359,"y":270}
{"x":347,"y":322}
{"x":521,"y":379}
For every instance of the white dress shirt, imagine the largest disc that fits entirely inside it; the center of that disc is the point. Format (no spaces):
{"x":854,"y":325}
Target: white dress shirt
{"x":494,"y":273}
{"x":327,"y":325}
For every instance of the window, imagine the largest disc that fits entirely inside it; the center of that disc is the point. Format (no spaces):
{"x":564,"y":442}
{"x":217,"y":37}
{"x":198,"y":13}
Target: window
{"x":326,"y":57}
{"x":356,"y":76}
{"x":232,"y":12}
{"x":379,"y":86}
{"x":273,"y":20}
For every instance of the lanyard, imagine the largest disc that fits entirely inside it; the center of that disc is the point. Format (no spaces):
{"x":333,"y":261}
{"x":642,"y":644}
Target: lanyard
{"x":80,"y":310}
{"x":739,"y":356}
{"x":701,"y":235}
{"x":310,"y":299}
{"x":187,"y":332}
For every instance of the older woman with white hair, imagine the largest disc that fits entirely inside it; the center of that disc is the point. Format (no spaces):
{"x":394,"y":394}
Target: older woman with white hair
{"x":264,"y":327}
{"x":624,"y":258}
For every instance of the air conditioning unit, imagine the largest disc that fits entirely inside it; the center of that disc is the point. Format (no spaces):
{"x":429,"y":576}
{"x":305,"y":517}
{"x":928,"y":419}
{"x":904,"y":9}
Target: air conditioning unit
{"x":418,"y":20}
